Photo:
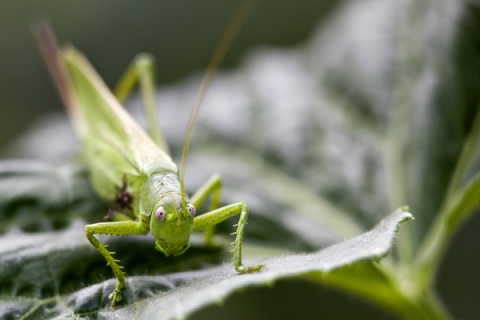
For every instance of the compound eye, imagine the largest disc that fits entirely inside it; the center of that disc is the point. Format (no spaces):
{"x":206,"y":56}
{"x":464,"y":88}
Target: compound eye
{"x":160,"y":214}
{"x":191,"y":209}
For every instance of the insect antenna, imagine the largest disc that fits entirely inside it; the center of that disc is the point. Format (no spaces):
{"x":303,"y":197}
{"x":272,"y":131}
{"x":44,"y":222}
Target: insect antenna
{"x":225,"y":42}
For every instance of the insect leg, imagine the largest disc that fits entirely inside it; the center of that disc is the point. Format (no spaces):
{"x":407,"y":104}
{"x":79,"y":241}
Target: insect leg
{"x":213,"y":188}
{"x":114,"y":228}
{"x":141,"y":70}
{"x":214,"y":217}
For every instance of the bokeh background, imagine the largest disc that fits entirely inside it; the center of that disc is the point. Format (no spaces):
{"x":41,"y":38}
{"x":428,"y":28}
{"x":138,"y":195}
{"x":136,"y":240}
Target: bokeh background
{"x":180,"y":34}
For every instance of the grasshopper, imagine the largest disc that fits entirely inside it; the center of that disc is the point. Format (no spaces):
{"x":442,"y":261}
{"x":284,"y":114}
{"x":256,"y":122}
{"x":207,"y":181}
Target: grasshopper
{"x":131,"y":169}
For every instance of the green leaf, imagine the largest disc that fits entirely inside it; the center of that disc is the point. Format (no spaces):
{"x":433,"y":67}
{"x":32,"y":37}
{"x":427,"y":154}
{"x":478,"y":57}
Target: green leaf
{"x":459,"y":208}
{"x":42,"y":266}
{"x":38,"y":196}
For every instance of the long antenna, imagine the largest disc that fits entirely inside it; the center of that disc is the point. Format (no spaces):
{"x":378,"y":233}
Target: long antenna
{"x":230,"y":33}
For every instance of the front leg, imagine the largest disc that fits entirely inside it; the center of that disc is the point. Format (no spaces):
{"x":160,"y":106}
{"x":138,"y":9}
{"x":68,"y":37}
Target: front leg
{"x":214,"y":217}
{"x":114,"y":228}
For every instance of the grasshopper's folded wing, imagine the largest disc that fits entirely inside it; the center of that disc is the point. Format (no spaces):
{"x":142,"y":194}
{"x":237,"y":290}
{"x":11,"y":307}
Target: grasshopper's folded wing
{"x":98,"y":116}
{"x":114,"y":146}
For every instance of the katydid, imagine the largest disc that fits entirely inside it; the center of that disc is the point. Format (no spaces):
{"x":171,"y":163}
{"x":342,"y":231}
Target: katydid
{"x":129,"y":168}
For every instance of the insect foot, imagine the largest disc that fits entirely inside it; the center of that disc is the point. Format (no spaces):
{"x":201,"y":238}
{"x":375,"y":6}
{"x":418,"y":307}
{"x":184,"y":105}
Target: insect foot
{"x":243,"y":269}
{"x":115,"y":296}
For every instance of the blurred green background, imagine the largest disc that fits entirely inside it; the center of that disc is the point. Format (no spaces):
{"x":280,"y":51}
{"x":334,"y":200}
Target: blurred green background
{"x":180,"y":34}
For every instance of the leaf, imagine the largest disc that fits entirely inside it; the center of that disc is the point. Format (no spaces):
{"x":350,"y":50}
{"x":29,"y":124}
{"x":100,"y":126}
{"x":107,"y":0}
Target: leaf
{"x":53,"y":195}
{"x":219,"y":283}
{"x":460,"y":207}
{"x":42,"y":265}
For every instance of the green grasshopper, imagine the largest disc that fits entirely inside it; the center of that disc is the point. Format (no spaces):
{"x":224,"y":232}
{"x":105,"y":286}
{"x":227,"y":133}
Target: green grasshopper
{"x":129,"y":168}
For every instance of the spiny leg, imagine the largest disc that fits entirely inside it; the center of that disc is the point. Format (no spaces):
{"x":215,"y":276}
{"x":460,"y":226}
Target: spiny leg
{"x":142,"y":70}
{"x":212,"y":187}
{"x":114,"y":228}
{"x":214,"y":217}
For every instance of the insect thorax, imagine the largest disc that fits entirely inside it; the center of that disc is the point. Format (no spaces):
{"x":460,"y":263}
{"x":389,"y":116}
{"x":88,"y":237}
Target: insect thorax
{"x":165,"y":182}
{"x":157,"y":186}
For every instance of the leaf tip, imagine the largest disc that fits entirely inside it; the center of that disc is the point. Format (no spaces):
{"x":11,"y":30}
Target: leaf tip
{"x":406,"y":214}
